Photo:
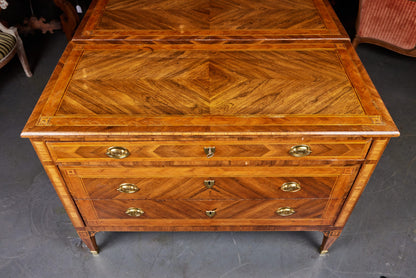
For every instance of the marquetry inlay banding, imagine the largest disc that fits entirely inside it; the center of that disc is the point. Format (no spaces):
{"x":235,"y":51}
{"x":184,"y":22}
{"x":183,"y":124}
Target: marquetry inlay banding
{"x":209,"y":115}
{"x":208,"y":21}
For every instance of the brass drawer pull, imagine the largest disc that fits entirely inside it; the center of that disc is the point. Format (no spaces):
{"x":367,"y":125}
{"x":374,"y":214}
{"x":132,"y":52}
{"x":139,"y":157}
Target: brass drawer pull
{"x":285,"y":211}
{"x":117,"y":152}
{"x":134,"y":212}
{"x":290,"y":187}
{"x":300,"y":150}
{"x":209,"y":183}
{"x":128,"y":188}
{"x":209,"y":151}
{"x":210,"y":213}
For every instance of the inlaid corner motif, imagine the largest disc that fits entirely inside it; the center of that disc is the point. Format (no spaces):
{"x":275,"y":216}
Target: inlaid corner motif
{"x":71,"y":172}
{"x":44,"y":121}
{"x":165,"y":89}
{"x":376,"y":119}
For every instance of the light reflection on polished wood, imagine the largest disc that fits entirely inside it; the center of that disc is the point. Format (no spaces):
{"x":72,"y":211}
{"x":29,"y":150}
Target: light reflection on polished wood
{"x":134,"y":109}
{"x":178,"y":89}
{"x":230,"y":183}
{"x":191,"y":151}
{"x":205,"y":21}
{"x":198,"y":82}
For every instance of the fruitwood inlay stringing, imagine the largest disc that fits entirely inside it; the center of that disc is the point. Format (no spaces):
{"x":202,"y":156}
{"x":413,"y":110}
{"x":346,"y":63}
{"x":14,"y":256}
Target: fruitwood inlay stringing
{"x":205,"y":21}
{"x":266,"y":88}
{"x":209,"y":115}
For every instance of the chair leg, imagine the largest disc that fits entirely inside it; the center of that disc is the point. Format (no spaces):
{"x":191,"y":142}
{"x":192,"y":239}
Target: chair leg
{"x":22,"y":55}
{"x":355,"y":42}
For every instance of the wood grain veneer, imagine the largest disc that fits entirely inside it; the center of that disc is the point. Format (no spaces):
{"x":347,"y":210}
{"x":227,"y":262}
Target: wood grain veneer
{"x":208,"y":21}
{"x":196,"y":100}
{"x":173,"y":209}
{"x":192,"y":151}
{"x":251,"y":78}
{"x":188,"y":183}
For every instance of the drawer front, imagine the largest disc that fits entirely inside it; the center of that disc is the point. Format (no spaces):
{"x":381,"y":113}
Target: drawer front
{"x":145,"y":212}
{"x":213,"y":188}
{"x":209,"y":183}
{"x":190,"y":151}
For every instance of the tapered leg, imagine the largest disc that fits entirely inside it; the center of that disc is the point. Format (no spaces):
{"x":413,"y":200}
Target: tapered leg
{"x":329,"y":239}
{"x":89,"y":239}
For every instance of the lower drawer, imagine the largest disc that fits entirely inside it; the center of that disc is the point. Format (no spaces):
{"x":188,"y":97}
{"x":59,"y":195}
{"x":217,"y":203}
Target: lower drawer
{"x":175,"y":212}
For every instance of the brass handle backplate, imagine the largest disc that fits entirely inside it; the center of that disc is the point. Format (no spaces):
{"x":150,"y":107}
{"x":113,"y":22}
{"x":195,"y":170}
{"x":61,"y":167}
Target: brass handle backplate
{"x":285,"y":211}
{"x":300,"y":150}
{"x":209,"y":151}
{"x":134,"y":212}
{"x":128,"y":188}
{"x":117,"y":152}
{"x":210,"y":213}
{"x":290,"y":187}
{"x":209,"y":183}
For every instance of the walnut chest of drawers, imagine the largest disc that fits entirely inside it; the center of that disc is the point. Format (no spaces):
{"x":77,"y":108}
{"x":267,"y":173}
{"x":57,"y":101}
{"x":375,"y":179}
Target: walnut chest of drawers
{"x":209,"y":116}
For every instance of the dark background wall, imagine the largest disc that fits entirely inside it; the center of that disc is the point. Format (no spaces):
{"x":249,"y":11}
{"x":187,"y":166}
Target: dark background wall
{"x":347,"y":12}
{"x":18,"y":10}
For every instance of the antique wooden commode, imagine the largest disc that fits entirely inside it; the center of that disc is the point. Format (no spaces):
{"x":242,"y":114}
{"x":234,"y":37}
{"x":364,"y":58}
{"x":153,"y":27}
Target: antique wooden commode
{"x":209,"y":115}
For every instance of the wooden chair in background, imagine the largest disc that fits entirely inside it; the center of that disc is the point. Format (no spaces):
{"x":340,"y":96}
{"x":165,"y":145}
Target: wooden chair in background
{"x":69,"y":18}
{"x":388,"y":23}
{"x":10,"y":44}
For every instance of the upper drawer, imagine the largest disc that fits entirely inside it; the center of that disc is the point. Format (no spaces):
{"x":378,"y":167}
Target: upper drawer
{"x":200,"y":21}
{"x":210,"y":150}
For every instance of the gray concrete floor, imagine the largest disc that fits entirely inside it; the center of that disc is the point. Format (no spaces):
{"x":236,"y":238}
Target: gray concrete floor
{"x":38,"y":240}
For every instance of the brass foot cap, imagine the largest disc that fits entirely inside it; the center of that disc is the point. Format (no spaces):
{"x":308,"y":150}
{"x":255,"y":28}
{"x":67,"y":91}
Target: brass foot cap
{"x":323,"y":252}
{"x":95,"y":253}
